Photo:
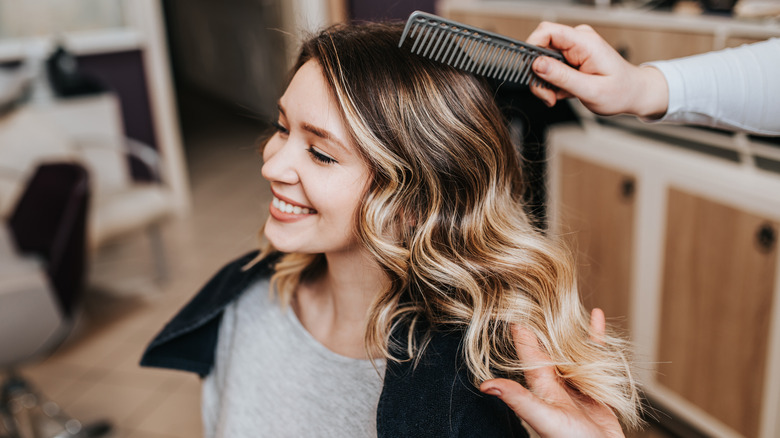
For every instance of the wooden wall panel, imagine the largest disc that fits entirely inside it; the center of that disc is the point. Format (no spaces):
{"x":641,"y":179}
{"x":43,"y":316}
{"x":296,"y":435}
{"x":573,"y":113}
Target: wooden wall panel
{"x":736,"y":41}
{"x":637,"y":44}
{"x":597,"y":217}
{"x":717,"y":297}
{"x":644,"y":45}
{"x":512,"y":26}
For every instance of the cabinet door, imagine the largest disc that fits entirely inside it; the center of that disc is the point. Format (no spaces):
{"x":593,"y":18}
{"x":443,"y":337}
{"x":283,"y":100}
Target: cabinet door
{"x":597,"y":217}
{"x":643,"y":45}
{"x":512,"y":26}
{"x":718,"y":285}
{"x":736,"y":41}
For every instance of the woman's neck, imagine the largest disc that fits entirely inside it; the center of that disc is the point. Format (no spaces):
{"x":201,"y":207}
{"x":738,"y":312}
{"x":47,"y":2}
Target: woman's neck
{"x":334,"y":307}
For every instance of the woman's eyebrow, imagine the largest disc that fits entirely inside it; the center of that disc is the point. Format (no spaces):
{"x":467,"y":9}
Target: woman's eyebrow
{"x":319,"y":132}
{"x":324,"y":134}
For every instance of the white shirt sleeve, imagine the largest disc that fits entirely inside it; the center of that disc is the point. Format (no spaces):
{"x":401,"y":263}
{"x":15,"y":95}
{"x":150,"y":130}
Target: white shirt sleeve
{"x":736,"y":89}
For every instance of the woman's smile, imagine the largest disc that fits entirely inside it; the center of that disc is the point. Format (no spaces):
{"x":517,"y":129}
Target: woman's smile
{"x":285,"y":210}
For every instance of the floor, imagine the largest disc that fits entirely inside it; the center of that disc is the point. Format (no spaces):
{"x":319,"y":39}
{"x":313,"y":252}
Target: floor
{"x":95,"y":374}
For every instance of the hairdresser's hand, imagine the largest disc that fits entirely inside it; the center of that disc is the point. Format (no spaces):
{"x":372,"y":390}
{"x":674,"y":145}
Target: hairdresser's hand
{"x":550,"y":407}
{"x":603,"y":81}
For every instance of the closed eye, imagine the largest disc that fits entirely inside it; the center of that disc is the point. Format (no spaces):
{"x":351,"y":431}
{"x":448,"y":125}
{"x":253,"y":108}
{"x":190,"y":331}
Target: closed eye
{"x":280,"y":128}
{"x":319,"y":156}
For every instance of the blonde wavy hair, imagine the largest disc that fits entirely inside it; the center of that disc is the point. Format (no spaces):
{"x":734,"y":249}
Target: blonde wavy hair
{"x":443,"y":216}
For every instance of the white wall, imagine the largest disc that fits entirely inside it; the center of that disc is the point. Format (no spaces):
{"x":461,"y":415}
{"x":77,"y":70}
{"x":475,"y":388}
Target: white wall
{"x":24,"y":18}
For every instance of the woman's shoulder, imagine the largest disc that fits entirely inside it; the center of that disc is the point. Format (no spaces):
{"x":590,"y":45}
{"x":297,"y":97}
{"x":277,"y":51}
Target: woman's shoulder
{"x":187,"y":342}
{"x":435,"y":397}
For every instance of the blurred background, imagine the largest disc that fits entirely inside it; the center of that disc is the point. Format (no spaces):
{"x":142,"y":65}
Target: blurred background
{"x":129,"y":174}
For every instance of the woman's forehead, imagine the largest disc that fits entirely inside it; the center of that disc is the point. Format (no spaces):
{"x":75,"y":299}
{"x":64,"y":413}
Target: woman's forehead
{"x":308,"y":100}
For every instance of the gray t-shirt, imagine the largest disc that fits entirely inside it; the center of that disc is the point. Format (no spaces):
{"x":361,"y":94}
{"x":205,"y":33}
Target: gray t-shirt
{"x":271,"y":378}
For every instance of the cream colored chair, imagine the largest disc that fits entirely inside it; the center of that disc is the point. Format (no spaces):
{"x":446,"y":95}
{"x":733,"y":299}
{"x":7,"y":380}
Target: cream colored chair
{"x":88,"y":130}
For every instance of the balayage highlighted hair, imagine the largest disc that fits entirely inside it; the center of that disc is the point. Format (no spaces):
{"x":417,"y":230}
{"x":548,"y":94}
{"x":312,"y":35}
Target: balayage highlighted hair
{"x":443,"y":216}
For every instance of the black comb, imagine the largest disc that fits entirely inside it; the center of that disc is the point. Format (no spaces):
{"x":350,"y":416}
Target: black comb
{"x":474,"y":50}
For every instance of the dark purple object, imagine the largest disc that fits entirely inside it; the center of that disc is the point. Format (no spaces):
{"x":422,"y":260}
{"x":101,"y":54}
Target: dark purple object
{"x":123,"y":73}
{"x":50,"y":221}
{"x":372,"y":10}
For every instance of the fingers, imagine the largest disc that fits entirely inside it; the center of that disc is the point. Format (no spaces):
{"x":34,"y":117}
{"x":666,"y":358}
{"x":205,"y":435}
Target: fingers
{"x":527,"y":346}
{"x":554,"y":36}
{"x":556,"y":73}
{"x":539,"y":375}
{"x":550,"y":96}
{"x":549,"y":407}
{"x":525,"y":405}
{"x":546,"y":95}
{"x":598,"y":325}
{"x":584,"y":27}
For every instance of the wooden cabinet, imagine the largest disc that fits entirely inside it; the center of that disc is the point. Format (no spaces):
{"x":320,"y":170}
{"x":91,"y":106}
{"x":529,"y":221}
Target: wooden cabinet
{"x":598,"y":217}
{"x":720,"y":266}
{"x":691,"y":259}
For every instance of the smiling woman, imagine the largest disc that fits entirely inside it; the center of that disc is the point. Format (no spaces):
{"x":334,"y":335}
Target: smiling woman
{"x":400,"y":272}
{"x":317,"y":176}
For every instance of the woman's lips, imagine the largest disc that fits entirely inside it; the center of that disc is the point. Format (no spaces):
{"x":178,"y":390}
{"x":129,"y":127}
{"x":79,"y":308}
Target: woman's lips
{"x":285,"y":210}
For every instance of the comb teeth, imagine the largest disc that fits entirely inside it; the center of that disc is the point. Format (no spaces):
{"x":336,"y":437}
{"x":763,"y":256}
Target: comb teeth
{"x":474,"y":50}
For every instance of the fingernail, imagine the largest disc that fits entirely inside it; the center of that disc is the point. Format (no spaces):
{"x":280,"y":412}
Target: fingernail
{"x":541,"y":66}
{"x":493,"y":391}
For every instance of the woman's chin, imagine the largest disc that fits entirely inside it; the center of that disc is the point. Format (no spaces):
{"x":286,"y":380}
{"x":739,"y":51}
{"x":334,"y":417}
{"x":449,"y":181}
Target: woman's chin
{"x":273,"y":237}
{"x":284,"y":242}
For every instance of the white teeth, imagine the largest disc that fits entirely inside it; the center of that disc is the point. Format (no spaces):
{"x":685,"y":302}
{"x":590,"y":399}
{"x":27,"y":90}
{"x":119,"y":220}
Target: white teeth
{"x":289,"y":208}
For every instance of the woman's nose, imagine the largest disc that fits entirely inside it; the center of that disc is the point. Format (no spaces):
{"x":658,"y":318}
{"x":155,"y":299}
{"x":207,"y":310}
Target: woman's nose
{"x":279,"y":162}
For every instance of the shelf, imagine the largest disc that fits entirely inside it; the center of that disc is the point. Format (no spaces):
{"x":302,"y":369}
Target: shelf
{"x":80,"y":43}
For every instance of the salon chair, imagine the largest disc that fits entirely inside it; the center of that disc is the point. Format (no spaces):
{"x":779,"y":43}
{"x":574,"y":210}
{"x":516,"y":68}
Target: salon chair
{"x":89,"y":131}
{"x":42,"y":264}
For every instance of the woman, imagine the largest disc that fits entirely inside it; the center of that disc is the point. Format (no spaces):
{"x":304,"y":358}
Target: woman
{"x":402,"y":268}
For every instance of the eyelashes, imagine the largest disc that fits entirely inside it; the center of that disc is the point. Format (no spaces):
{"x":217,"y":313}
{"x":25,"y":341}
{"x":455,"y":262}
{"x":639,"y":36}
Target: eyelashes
{"x":315,"y":154}
{"x":279,"y":128}
{"x":319,"y":156}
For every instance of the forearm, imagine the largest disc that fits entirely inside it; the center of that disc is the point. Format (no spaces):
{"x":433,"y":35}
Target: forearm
{"x":736,"y":89}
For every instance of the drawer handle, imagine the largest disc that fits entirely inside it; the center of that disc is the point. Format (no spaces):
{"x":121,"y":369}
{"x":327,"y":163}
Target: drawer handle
{"x":627,"y":188}
{"x":766,"y":237}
